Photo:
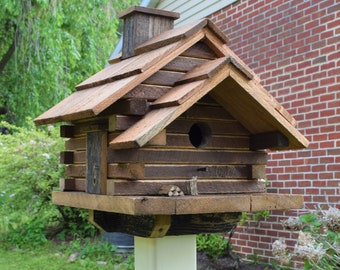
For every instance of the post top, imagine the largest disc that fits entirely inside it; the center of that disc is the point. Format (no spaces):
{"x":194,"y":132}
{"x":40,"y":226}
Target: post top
{"x":150,"y":11}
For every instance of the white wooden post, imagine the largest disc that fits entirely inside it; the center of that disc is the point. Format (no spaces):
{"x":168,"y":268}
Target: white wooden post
{"x":166,"y":253}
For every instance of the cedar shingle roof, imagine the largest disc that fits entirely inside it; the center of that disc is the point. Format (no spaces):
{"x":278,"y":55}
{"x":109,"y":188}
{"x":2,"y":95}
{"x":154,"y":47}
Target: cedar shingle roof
{"x":225,"y":77}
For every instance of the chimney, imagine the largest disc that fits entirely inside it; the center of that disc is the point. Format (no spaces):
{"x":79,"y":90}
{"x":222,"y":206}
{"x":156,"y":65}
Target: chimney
{"x":141,"y":24}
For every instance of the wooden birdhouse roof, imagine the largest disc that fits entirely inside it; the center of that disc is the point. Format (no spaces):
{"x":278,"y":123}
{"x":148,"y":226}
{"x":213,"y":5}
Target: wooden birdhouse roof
{"x":224,"y":77}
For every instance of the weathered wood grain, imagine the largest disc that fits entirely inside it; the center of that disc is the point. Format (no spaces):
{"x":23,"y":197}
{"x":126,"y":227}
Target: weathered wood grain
{"x":269,"y":140}
{"x":156,"y":120}
{"x":72,"y":184}
{"x":141,"y":24}
{"x":76,"y":144}
{"x":66,"y":157}
{"x":181,"y":156}
{"x":128,"y":107}
{"x":164,"y":78}
{"x":208,"y":186}
{"x":184,"y":64}
{"x":67,"y":131}
{"x":154,"y":205}
{"x":215,"y":142}
{"x":217,"y":127}
{"x":130,"y":171}
{"x":255,"y":112}
{"x":92,"y":101}
{"x":200,"y":50}
{"x":147,"y":91}
{"x":162,"y":225}
{"x":96,"y":166}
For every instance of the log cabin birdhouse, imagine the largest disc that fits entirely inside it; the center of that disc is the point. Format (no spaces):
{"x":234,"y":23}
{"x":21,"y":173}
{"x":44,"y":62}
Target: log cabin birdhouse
{"x":171,"y":137}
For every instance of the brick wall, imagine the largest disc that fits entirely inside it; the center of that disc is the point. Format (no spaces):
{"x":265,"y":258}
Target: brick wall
{"x":294,"y":46}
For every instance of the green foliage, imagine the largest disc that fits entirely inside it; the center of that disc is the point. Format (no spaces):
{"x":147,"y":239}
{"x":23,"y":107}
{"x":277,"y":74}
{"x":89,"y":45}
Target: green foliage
{"x":91,"y":255}
{"x":57,"y":44}
{"x":89,"y":251}
{"x":29,"y":172}
{"x":318,"y":244}
{"x":257,"y":216}
{"x":214,"y":245}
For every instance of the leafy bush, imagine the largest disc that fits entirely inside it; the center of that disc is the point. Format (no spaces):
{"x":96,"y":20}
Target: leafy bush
{"x":28,"y":173}
{"x":214,"y":245}
{"x":318,"y":244}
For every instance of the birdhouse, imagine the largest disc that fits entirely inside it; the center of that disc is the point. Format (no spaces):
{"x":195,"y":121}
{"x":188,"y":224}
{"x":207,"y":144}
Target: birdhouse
{"x":171,"y":138}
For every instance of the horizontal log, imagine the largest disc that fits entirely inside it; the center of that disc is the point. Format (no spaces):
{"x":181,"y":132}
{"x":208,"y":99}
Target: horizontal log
{"x":78,"y":170}
{"x":211,"y":186}
{"x":201,"y":171}
{"x":67,"y":131}
{"x":217,"y":127}
{"x":200,"y":50}
{"x":184,"y":64}
{"x":121,"y":122}
{"x":202,"y":112}
{"x":164,"y":78}
{"x":72,"y":184}
{"x":81,"y":128}
{"x":76,"y":144}
{"x":147,"y":91}
{"x":130,"y":171}
{"x":160,"y":225}
{"x":195,"y":156}
{"x":215,"y":142}
{"x":134,"y":171}
{"x":66,"y":157}
{"x":128,"y":107}
{"x":268,"y":140}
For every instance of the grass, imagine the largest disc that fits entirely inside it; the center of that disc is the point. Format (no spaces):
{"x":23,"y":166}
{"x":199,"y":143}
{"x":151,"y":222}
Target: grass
{"x":55,"y":257}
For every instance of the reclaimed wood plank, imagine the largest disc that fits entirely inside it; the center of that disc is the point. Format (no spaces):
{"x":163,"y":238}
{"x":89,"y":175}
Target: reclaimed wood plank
{"x":165,"y":171}
{"x":66,"y":157}
{"x":206,"y":112}
{"x":131,"y":107}
{"x":154,"y":205}
{"x":185,"y":156}
{"x":212,"y":186}
{"x":76,"y":144}
{"x":96,"y":167}
{"x":90,"y":102}
{"x":121,"y":122}
{"x":67,"y":131}
{"x":170,"y":36}
{"x":76,"y":170}
{"x":184,"y":64}
{"x":156,"y":120}
{"x":276,"y":202}
{"x":164,"y":78}
{"x":269,"y":140}
{"x":200,"y":50}
{"x":130,"y":171}
{"x":204,"y":71}
{"x":217,"y":127}
{"x":72,"y":184}
{"x":140,"y":26}
{"x":258,"y":115}
{"x":215,"y":142}
{"x":147,"y":91}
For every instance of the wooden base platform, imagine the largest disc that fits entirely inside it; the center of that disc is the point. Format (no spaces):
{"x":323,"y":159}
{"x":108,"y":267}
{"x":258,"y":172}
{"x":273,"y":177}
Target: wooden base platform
{"x":158,"y":205}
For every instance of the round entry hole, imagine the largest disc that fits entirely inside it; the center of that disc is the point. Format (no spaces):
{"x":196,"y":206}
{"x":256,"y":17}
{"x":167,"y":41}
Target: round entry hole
{"x":199,"y":134}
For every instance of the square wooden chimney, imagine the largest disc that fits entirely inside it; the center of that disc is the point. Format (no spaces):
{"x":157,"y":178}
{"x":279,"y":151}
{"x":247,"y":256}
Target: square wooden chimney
{"x":141,"y":24}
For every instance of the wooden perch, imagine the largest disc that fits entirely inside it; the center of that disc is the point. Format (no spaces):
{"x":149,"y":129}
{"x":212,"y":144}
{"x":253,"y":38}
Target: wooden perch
{"x":193,"y":186}
{"x":171,"y":191}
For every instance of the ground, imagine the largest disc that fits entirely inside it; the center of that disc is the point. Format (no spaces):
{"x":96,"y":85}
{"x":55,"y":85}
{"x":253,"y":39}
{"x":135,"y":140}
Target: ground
{"x":226,"y":263}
